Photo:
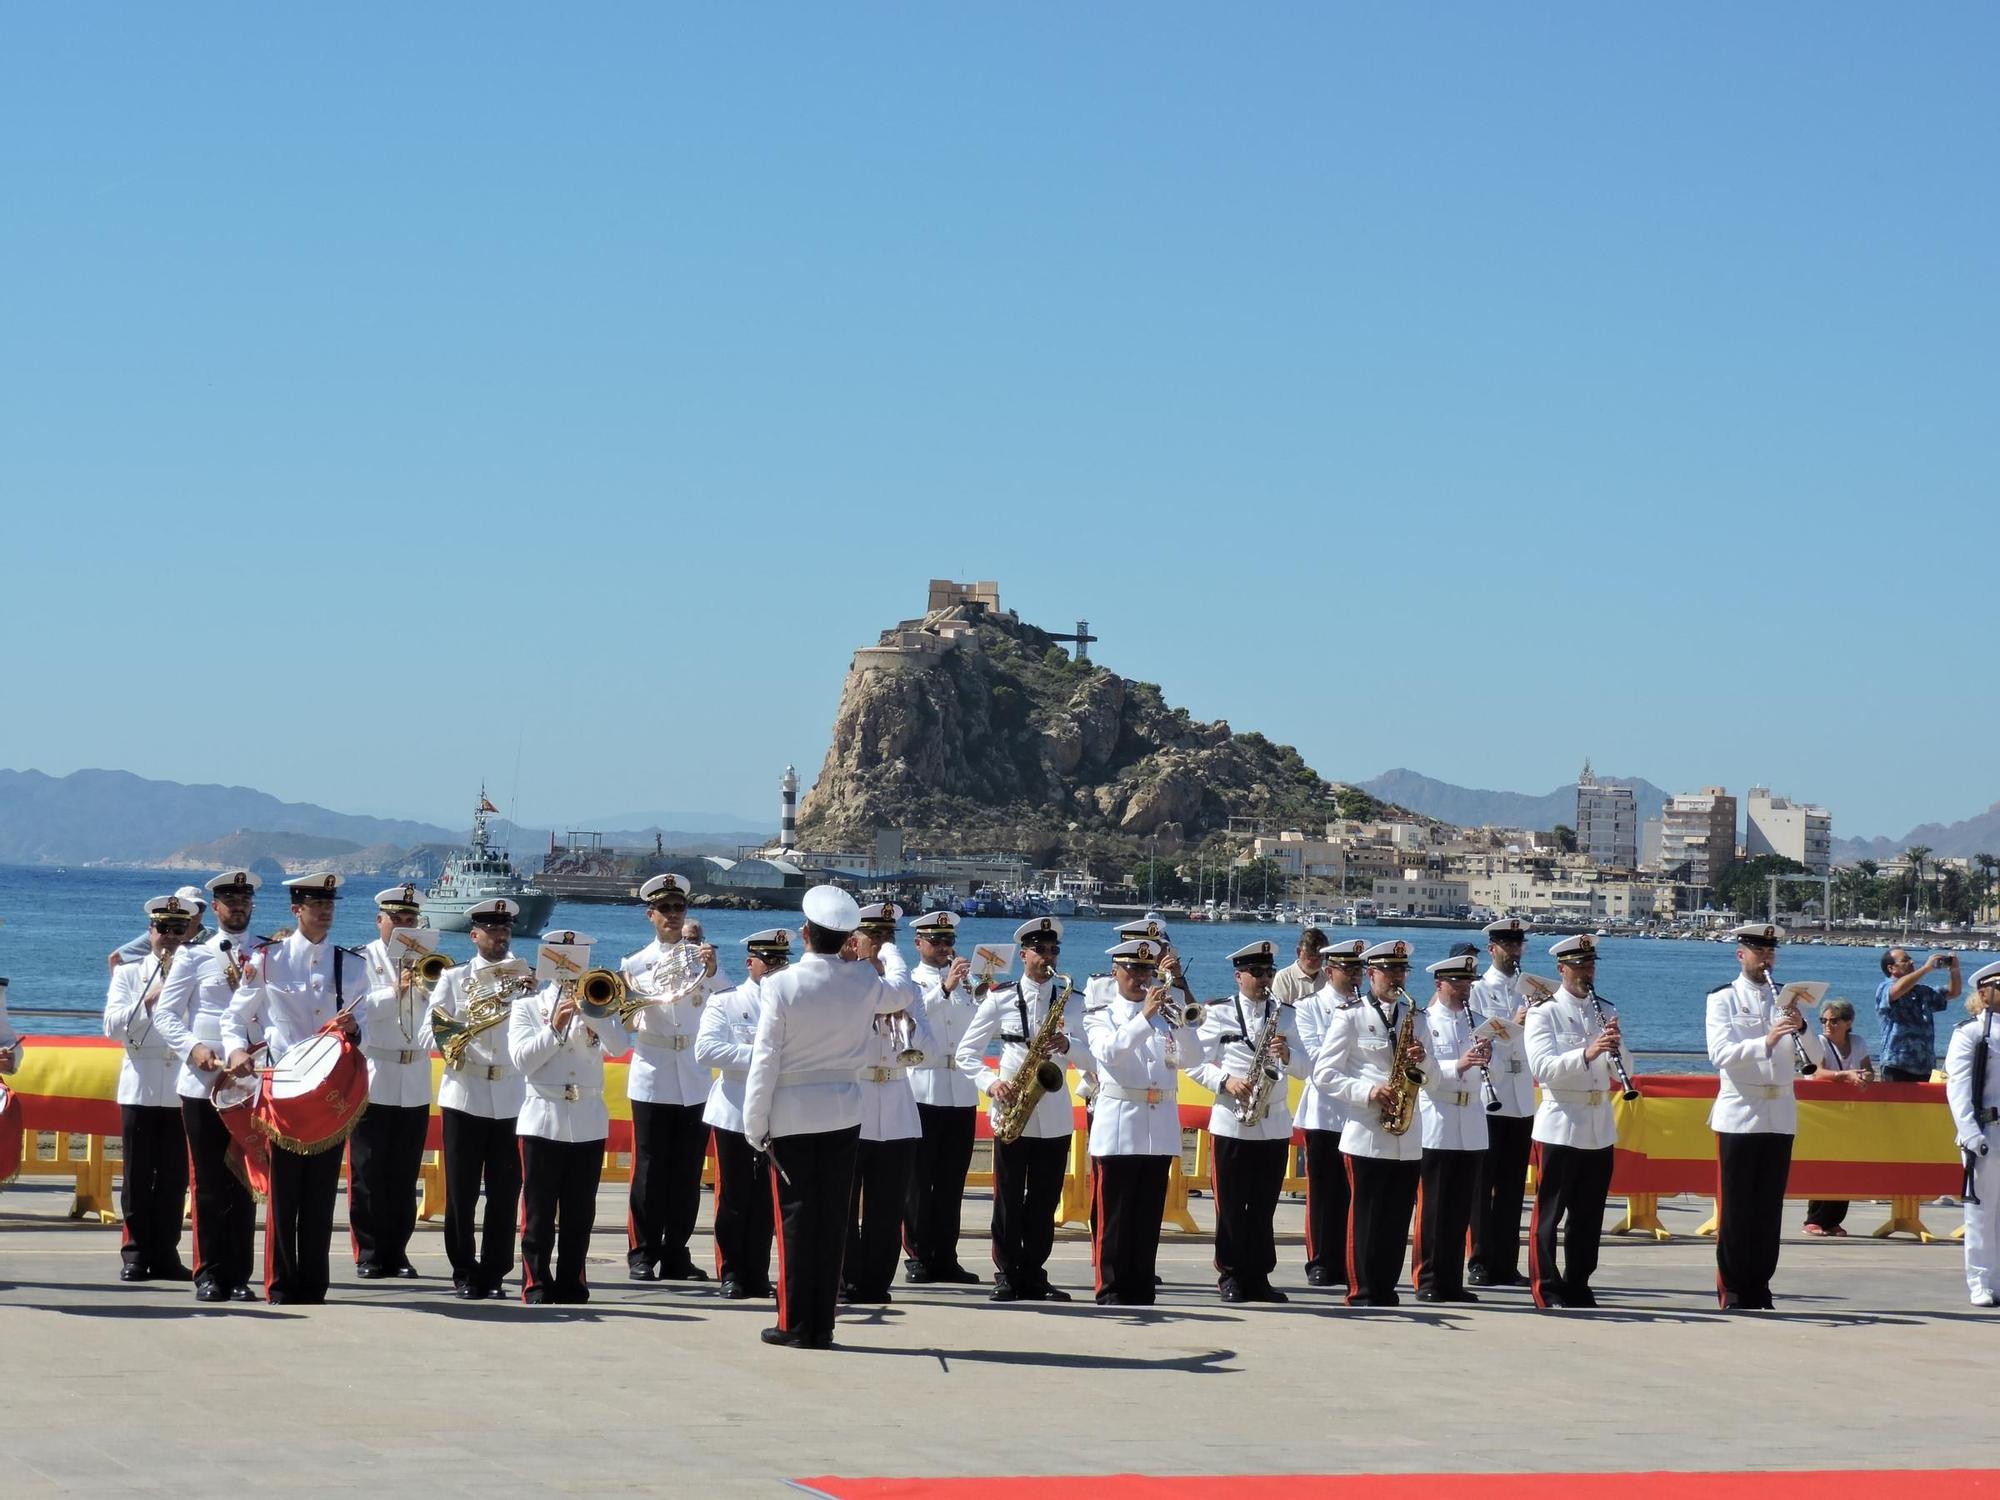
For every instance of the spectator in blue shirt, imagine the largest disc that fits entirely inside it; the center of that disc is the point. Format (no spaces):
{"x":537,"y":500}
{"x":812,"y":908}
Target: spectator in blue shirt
{"x":1908,"y":1007}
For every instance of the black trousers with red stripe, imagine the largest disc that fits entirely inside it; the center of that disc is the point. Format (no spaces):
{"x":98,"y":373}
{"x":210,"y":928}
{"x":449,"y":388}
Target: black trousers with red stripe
{"x":558,"y":1211}
{"x":1326,"y":1207}
{"x":668,"y":1143}
{"x":384,"y":1156}
{"x":875,"y":1217}
{"x":152,"y":1185}
{"x":1570,"y":1188}
{"x":1378,"y":1225}
{"x":1750,"y":1209}
{"x":1027,"y":1185}
{"x":743,"y":1208}
{"x":298,"y":1225}
{"x":1247,"y":1177}
{"x":1129,"y":1193}
{"x":1496,"y":1201}
{"x":932,"y":1207}
{"x":481,"y":1252}
{"x":225,"y":1215}
{"x":811,"y":1176}
{"x":1445,"y":1188}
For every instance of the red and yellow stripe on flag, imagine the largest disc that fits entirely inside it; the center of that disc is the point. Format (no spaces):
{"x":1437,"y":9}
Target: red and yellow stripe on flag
{"x":1932,"y":1484}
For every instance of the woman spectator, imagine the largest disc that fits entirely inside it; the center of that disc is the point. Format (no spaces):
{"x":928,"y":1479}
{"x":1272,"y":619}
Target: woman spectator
{"x":1847,"y":1061}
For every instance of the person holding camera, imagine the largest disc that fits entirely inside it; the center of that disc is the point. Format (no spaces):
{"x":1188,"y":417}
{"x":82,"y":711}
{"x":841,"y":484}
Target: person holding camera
{"x":1908,"y":1008}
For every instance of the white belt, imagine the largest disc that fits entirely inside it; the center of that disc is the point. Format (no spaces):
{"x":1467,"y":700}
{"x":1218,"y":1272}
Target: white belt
{"x":1584,"y":1096}
{"x":824,"y":1075}
{"x":151,"y":1054}
{"x":406,"y":1056}
{"x":1458,"y":1097}
{"x":570,"y":1092}
{"x":1768,"y":1091}
{"x":661,"y":1043}
{"x":881,"y":1075}
{"x":945,"y":1064}
{"x":1106,"y":1089}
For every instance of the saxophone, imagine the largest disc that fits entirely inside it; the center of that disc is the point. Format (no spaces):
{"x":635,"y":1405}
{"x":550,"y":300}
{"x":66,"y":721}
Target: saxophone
{"x":1265,"y":1071}
{"x":1038,"y":1074}
{"x":1405,"y":1080}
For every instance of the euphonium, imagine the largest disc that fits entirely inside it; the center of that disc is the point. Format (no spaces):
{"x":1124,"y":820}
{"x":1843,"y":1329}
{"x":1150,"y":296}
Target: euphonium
{"x":1038,"y":1074}
{"x":1405,"y":1078}
{"x":489,"y":1000}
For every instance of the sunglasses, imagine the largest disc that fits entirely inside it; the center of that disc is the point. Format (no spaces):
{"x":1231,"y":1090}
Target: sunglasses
{"x":1259,"y":971}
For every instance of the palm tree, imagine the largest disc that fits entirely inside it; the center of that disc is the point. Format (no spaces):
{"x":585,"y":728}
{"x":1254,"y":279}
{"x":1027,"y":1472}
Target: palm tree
{"x":1916,"y":854}
{"x":1987,"y":864}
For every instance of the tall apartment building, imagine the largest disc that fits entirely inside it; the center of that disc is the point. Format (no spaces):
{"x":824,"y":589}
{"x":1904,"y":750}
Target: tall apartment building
{"x":1698,"y":829}
{"x":1777,"y":825}
{"x":1607,"y":822}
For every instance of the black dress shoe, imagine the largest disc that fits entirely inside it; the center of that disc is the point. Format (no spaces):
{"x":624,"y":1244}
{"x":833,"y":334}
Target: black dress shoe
{"x":1461,"y":1295}
{"x":1048,"y":1294}
{"x":782,"y":1338}
{"x":1553,"y":1301}
{"x":688,"y":1271}
{"x":959,"y":1276}
{"x":728,"y":1290}
{"x":918,"y":1275}
{"x":497,"y":1292}
{"x":1110,"y":1299}
{"x":1157,"y":1281}
{"x":1320,"y":1276}
{"x":1584,"y":1298}
{"x":133,"y":1273}
{"x":467,"y":1292}
{"x":369,"y":1272}
{"x":1513,"y":1278}
{"x":536,"y":1297}
{"x":1477,"y":1276}
{"x":761,"y":1289}
{"x":209,"y":1291}
{"x":642,"y":1271}
{"x":1231,"y":1292}
{"x":1268,"y":1294}
{"x":1003,"y":1293}
{"x":242,"y":1294}
{"x":174,"y":1272}
{"x":406,"y":1272}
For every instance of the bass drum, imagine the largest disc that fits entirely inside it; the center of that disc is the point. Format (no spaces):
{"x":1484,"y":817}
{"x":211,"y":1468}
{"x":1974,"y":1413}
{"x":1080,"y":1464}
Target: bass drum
{"x":249,"y":1154}
{"x":311,"y":1099}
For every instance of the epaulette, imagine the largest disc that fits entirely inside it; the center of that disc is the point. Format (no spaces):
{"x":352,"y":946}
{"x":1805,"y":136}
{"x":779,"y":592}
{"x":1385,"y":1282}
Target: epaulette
{"x":1721,"y":987}
{"x":1096,"y":977}
{"x":1348,"y":1002}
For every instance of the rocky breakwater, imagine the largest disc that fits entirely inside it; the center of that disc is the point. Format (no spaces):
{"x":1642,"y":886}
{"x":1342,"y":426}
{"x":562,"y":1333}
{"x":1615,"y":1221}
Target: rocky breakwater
{"x":972,"y":730}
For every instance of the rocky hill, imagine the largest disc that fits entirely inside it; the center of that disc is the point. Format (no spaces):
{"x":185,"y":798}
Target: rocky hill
{"x":971,"y":730}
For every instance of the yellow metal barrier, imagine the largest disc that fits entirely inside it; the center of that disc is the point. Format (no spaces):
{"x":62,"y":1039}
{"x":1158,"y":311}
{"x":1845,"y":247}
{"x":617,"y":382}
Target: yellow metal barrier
{"x":92,"y":1169}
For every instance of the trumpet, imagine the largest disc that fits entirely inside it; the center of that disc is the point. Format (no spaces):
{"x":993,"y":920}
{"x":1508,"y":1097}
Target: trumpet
{"x":1182,"y":1012}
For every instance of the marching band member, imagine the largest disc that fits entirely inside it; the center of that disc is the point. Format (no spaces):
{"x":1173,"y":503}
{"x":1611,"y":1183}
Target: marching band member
{"x":742,"y":1176}
{"x":802,"y":1107}
{"x":1571,"y":1050}
{"x":1972,"y":1088}
{"x":1755,"y":1117}
{"x":563,"y":1127}
{"x":1028,"y":1172}
{"x":668,"y":1089}
{"x":479,"y":1105}
{"x":189,"y":1017}
{"x":1356,"y":1063}
{"x":140,"y":948}
{"x":1135,"y":1129}
{"x":1501,"y":995}
{"x":294,"y":988}
{"x":1323,"y":1114}
{"x":890,"y":1126}
{"x":1249,"y":1156}
{"x":947,"y":1108}
{"x":1452,"y":1116}
{"x":386,"y":1151}
{"x":154,"y":1145}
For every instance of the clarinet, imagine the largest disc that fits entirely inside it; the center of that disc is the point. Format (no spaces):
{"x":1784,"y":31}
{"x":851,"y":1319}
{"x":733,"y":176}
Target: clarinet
{"x":1617,"y":1057}
{"x":1489,"y":1095}
{"x":1807,"y":1067}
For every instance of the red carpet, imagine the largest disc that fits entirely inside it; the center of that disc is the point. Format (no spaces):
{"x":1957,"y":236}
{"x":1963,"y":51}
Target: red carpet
{"x":1823,"y":1484}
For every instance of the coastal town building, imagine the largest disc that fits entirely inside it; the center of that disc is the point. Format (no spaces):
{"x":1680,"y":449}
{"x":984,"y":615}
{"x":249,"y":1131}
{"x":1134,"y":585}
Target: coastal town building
{"x":1698,"y":836}
{"x":1607,"y":822}
{"x":1792,"y":830}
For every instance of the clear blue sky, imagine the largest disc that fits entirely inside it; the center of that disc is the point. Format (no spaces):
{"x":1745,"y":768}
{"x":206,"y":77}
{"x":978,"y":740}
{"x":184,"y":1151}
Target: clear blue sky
{"x":1467,"y":388}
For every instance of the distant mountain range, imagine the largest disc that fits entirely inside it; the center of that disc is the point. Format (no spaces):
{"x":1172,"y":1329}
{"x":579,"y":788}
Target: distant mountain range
{"x":114,"y":817}
{"x":1471,"y":807}
{"x":1968,"y":836}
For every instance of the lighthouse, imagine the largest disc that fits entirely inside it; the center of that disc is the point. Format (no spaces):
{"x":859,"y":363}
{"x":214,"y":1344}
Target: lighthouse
{"x":788,"y":826}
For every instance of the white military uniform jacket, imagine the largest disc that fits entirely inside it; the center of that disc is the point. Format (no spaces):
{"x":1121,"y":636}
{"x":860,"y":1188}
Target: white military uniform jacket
{"x":399,"y":1032}
{"x":938,"y":1078}
{"x":191,"y":1008}
{"x":1754,"y":1095}
{"x":728,"y":1033}
{"x":1965,"y":1110}
{"x":563,"y":1070}
{"x":1230,"y":1031}
{"x":488,"y":1084}
{"x":1013,"y":1012}
{"x":1499,"y":996}
{"x":663,"y":1069}
{"x":813,"y":1038}
{"x":292,"y":990}
{"x":150,"y":1072}
{"x":1578,"y":1097}
{"x":1355,"y":1058}
{"x":1319,"y":1109}
{"x":1451,"y":1110}
{"x":1137,"y":1112}
{"x":888,"y":1106}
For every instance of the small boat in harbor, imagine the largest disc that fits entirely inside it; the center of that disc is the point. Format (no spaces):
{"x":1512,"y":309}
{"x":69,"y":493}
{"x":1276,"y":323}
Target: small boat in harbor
{"x":481,"y":873}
